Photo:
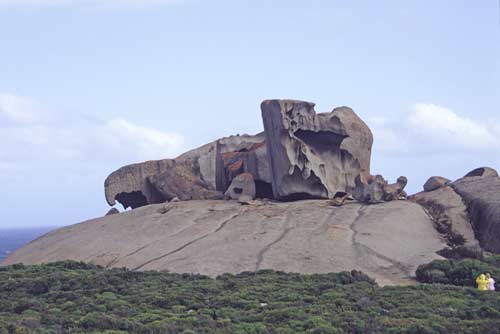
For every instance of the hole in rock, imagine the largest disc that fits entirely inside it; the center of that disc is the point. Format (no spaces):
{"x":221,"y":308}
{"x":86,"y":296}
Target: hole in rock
{"x":237,"y":190}
{"x":321,"y":141}
{"x":132,"y":200}
{"x":298,"y":197}
{"x":263,"y":189}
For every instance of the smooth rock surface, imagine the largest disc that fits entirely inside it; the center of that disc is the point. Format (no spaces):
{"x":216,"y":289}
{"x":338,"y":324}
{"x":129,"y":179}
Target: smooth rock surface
{"x":386,"y":241}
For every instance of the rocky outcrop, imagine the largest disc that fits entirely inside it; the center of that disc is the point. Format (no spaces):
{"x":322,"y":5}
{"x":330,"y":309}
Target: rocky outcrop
{"x":202,"y":173}
{"x":483,"y":172}
{"x":241,"y":185}
{"x":314,"y":155}
{"x":449,"y":214}
{"x":481,"y":196}
{"x":375,"y":189}
{"x":386,"y":241}
{"x":301,"y":154}
{"x":435,"y":182}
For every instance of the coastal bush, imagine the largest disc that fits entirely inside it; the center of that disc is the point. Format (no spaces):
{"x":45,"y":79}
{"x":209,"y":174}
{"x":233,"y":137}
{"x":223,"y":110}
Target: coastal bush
{"x":458,"y":272}
{"x":73,"y":297}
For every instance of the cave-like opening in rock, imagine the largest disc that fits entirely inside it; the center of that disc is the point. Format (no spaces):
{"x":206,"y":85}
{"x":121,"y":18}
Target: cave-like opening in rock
{"x":299,"y":197}
{"x":263,"y":189}
{"x":155,"y":197}
{"x":320,"y":141}
{"x":134,"y":199}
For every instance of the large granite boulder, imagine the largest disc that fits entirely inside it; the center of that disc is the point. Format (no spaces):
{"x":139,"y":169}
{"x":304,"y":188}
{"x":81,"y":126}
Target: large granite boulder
{"x":481,"y":196}
{"x":314,"y":155}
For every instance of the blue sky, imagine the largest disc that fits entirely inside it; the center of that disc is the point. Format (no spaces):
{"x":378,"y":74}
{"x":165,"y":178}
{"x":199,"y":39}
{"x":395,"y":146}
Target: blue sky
{"x":87,"y":86}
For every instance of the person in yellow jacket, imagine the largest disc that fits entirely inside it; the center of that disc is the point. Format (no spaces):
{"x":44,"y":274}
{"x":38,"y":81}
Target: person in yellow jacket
{"x":482,"y":282}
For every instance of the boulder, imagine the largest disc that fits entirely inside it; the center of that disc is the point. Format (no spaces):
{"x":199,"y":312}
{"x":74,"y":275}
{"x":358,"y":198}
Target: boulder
{"x":483,"y":171}
{"x":375,"y":189}
{"x":435,"y":182}
{"x":314,"y":155}
{"x":242,"y":185}
{"x":481,"y":196}
{"x":395,"y":191}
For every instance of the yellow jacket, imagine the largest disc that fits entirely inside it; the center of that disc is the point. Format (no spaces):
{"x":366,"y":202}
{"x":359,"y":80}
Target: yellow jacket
{"x":482,"y":281}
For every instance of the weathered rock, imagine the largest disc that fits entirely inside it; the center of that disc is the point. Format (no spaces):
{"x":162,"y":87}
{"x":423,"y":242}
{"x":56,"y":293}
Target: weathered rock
{"x":339,"y":199}
{"x":314,"y":155}
{"x":181,"y":181}
{"x":130,"y":186}
{"x":375,"y":189}
{"x":370,"y":190}
{"x":195,"y":174}
{"x":242,"y":184}
{"x":481,"y":196}
{"x":435,"y":182}
{"x":483,"y":171}
{"x":112,"y":211}
{"x":386,"y":241}
{"x":448,"y":212}
{"x":395,"y":190}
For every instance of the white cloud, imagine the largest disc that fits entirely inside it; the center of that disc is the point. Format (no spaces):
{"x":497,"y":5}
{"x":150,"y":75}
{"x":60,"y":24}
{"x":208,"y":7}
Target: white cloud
{"x":431,"y":128}
{"x":85,"y":3}
{"x":443,"y":124}
{"x":20,"y":109}
{"x":29,"y":140}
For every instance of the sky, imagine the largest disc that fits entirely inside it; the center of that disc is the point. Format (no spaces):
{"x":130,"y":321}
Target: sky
{"x":87,"y":86}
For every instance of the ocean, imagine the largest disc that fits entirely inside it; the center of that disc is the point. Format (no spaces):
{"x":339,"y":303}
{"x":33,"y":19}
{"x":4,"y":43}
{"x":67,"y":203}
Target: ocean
{"x":12,"y":239}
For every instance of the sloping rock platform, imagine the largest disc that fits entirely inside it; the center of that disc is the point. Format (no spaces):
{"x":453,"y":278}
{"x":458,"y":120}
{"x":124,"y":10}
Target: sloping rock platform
{"x":387,"y":241}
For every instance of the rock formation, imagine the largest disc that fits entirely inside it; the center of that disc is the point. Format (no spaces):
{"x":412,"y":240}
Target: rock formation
{"x":314,"y":155}
{"x":386,"y":241}
{"x":469,"y":207}
{"x":301,"y":154}
{"x":481,"y":195}
{"x":483,"y":172}
{"x":202,"y":173}
{"x":375,"y":189}
{"x":242,"y":185}
{"x":435,"y":182}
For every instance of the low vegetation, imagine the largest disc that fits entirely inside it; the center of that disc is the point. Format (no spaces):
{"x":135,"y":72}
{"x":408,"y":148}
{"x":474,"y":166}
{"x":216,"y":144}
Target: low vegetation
{"x":459,"y":270}
{"x":72,"y":297}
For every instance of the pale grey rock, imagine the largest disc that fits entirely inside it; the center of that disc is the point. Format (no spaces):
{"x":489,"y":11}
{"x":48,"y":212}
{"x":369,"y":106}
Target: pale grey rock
{"x":314,"y":155}
{"x":435,"y":182}
{"x":386,"y":241}
{"x":241,"y":185}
